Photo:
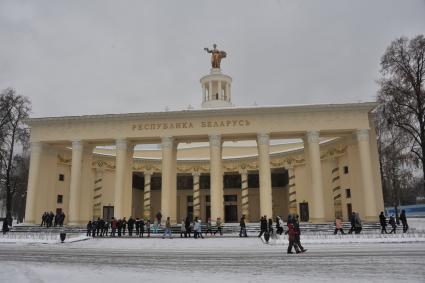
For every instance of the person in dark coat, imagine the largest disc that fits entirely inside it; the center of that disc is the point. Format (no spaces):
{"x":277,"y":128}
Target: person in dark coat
{"x":5,"y":227}
{"x":403,"y":220}
{"x":270,"y":227}
{"x":242,"y":232}
{"x":393,"y":224}
{"x":142,"y":227}
{"x":298,"y":233}
{"x":383,"y":222}
{"x":263,"y":226}
{"x":137,"y":224}
{"x":88,"y":229}
{"x":187,"y":226}
{"x":93,"y":228}
{"x":123,"y":225}
{"x":130,"y":226}
{"x":352,"y":222}
{"x":119,"y":227}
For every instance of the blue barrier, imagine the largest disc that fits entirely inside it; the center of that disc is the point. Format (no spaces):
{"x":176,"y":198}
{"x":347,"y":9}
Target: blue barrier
{"x":411,"y":210}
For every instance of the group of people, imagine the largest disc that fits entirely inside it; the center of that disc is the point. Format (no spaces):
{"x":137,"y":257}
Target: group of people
{"x":355,"y":221}
{"x":119,"y":227}
{"x":187,"y":227}
{"x":392,"y":221}
{"x":49,"y":219}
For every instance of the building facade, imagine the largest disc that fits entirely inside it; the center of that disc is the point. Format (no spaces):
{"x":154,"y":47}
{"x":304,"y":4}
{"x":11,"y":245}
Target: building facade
{"x":319,"y":161}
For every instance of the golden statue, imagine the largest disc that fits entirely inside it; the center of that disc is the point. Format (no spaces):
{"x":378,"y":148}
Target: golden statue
{"x":216,"y":56}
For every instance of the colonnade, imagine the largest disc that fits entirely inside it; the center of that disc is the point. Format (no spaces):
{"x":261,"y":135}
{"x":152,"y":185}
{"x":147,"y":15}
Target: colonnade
{"x":123,"y":165}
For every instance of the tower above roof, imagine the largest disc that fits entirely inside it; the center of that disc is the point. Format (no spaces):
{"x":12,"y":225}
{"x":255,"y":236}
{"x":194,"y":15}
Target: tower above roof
{"x":216,"y":85}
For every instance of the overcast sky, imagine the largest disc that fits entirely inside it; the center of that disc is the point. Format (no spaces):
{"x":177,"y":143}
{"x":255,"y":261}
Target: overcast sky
{"x":94,"y":57}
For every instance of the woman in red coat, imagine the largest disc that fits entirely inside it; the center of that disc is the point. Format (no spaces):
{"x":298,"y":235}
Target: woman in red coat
{"x":291,"y":239}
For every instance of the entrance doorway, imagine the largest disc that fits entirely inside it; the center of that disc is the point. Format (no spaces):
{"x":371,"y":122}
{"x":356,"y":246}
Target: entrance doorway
{"x":108,"y":212}
{"x":231,"y":213}
{"x":304,"y":214}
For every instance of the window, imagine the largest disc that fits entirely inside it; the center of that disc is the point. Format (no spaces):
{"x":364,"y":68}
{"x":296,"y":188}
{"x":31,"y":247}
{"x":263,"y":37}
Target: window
{"x":59,"y":199}
{"x":230,"y":198}
{"x":189,"y":198}
{"x":208,"y":198}
{"x":61,"y":177}
{"x":347,"y":193}
{"x":345,"y":169}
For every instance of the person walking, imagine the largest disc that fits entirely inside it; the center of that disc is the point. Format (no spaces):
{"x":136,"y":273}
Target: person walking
{"x":291,"y":239}
{"x":124,"y":225}
{"x":130,"y":224}
{"x":5,"y":227}
{"x":357,"y":223}
{"x":137,"y":225}
{"x":142,"y":227}
{"x":383,"y":222}
{"x":352,"y":222}
{"x":218,"y":225}
{"x":187,"y":226}
{"x":263,"y":226}
{"x":114,"y":226}
{"x":209,"y":227}
{"x":88,"y":227}
{"x":148,"y":227}
{"x":242,"y":224}
{"x":167,"y":230}
{"x":297,"y":229}
{"x":197,"y":228}
{"x":403,"y":220}
{"x":279,"y":225}
{"x":183,"y":229}
{"x":393,"y":224}
{"x":338,"y":226}
{"x":119,"y":227}
{"x":105,"y":229}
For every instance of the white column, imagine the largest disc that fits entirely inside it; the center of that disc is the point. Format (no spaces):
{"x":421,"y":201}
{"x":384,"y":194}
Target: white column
{"x":369,"y":196}
{"x":227,"y":91}
{"x":168,"y":190}
{"x":317,"y":193}
{"x":244,"y":193}
{"x":87,"y":201}
{"x":147,"y":195}
{"x":210,"y":90}
{"x":196,"y":197}
{"x":128,"y":188}
{"x":120,"y":178}
{"x":266,"y":199}
{"x":75,"y":186}
{"x":292,"y":191}
{"x":204,"y":93}
{"x":33,"y":179}
{"x":216,"y":178}
{"x":219,"y":90}
{"x":336,"y":189}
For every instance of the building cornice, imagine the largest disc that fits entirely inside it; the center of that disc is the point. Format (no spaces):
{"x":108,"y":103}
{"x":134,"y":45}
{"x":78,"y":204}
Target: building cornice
{"x":230,"y":111}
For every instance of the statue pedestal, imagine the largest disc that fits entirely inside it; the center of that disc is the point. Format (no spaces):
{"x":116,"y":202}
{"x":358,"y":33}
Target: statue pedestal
{"x":216,"y":89}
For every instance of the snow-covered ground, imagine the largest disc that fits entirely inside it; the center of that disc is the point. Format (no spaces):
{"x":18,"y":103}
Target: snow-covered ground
{"x":211,"y":260}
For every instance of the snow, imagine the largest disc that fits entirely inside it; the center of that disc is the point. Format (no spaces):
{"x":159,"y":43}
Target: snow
{"x":40,"y":238}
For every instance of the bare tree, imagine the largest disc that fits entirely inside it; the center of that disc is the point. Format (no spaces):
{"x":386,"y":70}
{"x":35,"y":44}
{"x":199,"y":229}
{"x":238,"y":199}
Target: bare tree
{"x":14,"y":143}
{"x":402,"y":94}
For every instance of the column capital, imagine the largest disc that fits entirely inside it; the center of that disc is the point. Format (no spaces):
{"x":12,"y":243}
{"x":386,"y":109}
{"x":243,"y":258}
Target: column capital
{"x":167,"y":142}
{"x":362,"y":134}
{"x":215,"y":140}
{"x":121,"y":143}
{"x":196,"y":174}
{"x":243,"y":171}
{"x":148,"y":173}
{"x":77,"y":145}
{"x":312,"y":136}
{"x":263,"y":138}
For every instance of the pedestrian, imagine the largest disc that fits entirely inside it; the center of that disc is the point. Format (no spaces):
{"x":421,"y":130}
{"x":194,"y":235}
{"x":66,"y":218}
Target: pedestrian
{"x":89,"y":225}
{"x":183,"y":229}
{"x":124,"y":225}
{"x":98,"y":226}
{"x":148,"y":227}
{"x":263,"y":226}
{"x":119,"y":227}
{"x":383,"y":222}
{"x":130,"y":226}
{"x":199,"y":229}
{"x":297,"y":229}
{"x":5,"y":227}
{"x":209,"y":227}
{"x":352,"y":222}
{"x":158,"y":218}
{"x":270,"y":227}
{"x":338,"y":226}
{"x":187,"y":226}
{"x":137,"y":223}
{"x":393,"y":224}
{"x":242,"y":224}
{"x":93,"y":228}
{"x":62,"y":219}
{"x":358,"y":223}
{"x":279,"y":225}
{"x":218,"y":225}
{"x":404,"y":221}
{"x":105,"y":229}
{"x":291,"y":239}
{"x":142,"y":228}
{"x":43,"y":219}
{"x":114,"y":226}
{"x":167,"y":230}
